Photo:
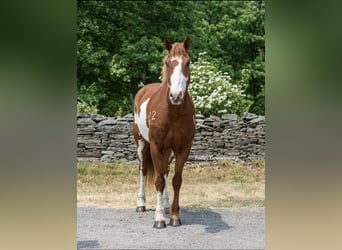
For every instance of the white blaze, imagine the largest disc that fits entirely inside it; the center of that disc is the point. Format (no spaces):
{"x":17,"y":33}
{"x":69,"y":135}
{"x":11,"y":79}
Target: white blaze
{"x":178,"y":79}
{"x":140,"y":120}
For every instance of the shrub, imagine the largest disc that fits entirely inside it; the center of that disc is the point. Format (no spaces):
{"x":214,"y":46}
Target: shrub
{"x":88,"y":99}
{"x":213,"y":91}
{"x":85,"y":108}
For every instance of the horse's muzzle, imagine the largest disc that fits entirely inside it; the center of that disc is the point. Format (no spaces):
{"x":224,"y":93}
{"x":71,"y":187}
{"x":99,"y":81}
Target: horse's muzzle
{"x":176,"y":99}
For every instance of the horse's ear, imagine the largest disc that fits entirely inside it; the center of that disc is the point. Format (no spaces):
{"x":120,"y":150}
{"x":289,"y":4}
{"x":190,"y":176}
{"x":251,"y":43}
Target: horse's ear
{"x":187,"y":43}
{"x":167,"y":44}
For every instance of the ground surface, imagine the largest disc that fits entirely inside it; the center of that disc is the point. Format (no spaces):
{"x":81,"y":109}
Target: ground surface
{"x":110,"y":228}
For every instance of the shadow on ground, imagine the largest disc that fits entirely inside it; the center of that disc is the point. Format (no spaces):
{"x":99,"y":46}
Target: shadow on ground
{"x":87,"y":244}
{"x":212,"y":221}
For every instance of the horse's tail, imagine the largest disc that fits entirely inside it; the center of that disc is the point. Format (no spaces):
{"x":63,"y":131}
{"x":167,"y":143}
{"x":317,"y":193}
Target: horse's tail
{"x":148,"y":163}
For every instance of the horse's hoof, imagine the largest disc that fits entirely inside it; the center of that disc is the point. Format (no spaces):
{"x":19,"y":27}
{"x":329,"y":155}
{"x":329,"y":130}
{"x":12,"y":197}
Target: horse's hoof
{"x":167,"y":210}
{"x":159,"y":224}
{"x":175,"y":222}
{"x":141,"y":209}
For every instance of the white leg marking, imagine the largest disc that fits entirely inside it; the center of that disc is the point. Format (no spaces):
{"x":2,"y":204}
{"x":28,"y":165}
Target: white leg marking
{"x":141,"y":194}
{"x":140,"y":120}
{"x":160,"y":208}
{"x":141,"y":145}
{"x":166,"y":202}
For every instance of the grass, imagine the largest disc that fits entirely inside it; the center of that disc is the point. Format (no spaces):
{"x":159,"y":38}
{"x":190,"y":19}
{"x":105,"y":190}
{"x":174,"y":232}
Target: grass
{"x":225,"y":184}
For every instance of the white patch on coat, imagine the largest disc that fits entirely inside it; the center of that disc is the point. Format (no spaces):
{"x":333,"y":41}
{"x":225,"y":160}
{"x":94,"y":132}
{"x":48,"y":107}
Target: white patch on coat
{"x":178,"y":79}
{"x":160,"y":207}
{"x":140,"y":120}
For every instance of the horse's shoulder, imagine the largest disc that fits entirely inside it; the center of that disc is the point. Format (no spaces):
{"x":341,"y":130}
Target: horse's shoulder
{"x":151,"y":87}
{"x":146,"y":92}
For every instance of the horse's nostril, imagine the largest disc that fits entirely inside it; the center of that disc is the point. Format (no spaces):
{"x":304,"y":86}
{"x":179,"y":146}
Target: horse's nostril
{"x":175,"y":98}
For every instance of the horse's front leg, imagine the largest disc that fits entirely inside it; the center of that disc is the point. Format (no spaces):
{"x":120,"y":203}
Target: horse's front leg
{"x":160,"y":186}
{"x":177,"y":182}
{"x":159,"y":175}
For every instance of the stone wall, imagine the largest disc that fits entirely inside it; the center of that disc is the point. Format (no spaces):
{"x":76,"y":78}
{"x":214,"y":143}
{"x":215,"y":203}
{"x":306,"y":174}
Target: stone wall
{"x":108,"y":139}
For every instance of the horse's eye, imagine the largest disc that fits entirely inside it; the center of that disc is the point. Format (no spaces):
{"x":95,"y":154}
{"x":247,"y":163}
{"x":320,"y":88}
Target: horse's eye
{"x":167,"y":64}
{"x":188,"y":64}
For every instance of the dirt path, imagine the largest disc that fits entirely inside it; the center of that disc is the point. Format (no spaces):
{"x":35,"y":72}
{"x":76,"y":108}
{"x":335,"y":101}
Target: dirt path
{"x":108,"y":228}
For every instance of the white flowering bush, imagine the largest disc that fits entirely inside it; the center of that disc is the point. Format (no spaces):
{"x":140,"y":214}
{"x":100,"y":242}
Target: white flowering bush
{"x":213,"y":92}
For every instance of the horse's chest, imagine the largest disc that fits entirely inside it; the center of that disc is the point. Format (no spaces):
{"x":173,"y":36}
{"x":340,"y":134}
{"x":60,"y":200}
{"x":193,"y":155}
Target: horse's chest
{"x":169,"y":133}
{"x":155,"y":125}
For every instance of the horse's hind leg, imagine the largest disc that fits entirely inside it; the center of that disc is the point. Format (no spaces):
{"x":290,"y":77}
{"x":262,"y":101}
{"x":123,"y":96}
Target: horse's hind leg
{"x":142,"y":170}
{"x":166,"y":202}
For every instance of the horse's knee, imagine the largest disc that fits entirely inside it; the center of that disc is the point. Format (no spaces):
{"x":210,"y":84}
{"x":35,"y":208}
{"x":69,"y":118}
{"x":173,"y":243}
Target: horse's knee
{"x":177,"y":180}
{"x":159,"y":183}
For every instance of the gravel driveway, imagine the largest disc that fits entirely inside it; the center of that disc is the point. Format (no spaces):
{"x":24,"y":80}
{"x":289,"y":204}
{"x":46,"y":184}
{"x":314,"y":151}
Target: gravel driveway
{"x":108,"y":228}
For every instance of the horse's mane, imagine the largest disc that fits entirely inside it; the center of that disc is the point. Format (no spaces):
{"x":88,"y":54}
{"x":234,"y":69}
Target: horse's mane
{"x":176,"y":50}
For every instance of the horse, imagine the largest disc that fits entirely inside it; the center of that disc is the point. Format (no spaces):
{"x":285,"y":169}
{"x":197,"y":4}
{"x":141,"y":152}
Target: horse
{"x":164,"y":128}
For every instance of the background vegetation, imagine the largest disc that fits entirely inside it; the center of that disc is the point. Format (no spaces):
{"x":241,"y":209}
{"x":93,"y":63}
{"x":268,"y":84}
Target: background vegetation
{"x":119,"y":49}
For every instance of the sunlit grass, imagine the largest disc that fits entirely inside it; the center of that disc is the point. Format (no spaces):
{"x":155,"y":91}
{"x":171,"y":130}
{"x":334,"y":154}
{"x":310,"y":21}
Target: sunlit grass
{"x":225,"y":184}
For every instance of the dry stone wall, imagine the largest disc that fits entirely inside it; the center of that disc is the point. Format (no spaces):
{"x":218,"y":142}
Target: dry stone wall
{"x":109,"y":139}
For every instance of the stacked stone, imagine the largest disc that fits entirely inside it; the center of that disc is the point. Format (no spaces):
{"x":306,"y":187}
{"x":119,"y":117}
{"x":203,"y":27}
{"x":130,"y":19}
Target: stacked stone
{"x":89,"y":138}
{"x":229,"y":138}
{"x":105,"y":139}
{"x":108,"y":139}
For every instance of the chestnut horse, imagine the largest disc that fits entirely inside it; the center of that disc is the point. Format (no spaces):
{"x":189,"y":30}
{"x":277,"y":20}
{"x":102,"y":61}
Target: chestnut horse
{"x":163,"y":129}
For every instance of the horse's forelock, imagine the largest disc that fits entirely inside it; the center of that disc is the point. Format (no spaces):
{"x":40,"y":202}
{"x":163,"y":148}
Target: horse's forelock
{"x":177,"y":50}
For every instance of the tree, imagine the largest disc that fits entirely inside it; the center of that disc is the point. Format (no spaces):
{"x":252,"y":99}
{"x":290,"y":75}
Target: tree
{"x":233,"y":35}
{"x":119,"y":45}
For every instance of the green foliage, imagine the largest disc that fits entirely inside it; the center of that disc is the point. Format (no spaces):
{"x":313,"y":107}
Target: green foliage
{"x":118,"y":107}
{"x":89,"y":98}
{"x":258,"y":106}
{"x":119,"y":45}
{"x":232,"y":32}
{"x":85,"y":108}
{"x":213,"y":91}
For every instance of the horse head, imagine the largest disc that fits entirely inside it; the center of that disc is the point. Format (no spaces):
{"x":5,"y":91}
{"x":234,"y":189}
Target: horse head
{"x":176,"y":70}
